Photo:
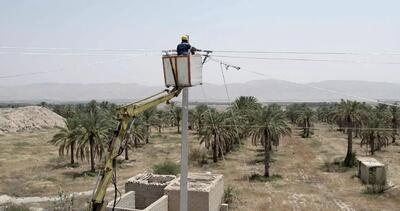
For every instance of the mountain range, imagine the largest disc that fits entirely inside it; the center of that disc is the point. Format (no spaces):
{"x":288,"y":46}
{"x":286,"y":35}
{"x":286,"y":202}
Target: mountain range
{"x":265,"y":90}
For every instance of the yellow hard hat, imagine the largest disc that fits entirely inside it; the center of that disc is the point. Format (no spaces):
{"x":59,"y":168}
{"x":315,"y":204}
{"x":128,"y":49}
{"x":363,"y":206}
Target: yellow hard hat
{"x":185,"y":38}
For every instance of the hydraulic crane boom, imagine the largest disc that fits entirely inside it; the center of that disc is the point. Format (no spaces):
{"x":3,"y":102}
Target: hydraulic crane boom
{"x":125,"y":116}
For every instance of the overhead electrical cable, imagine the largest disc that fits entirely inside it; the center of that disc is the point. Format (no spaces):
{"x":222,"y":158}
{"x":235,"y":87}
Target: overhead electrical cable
{"x":306,"y":52}
{"x":220,"y":51}
{"x":306,"y":85}
{"x":69,"y":54}
{"x":301,"y":59}
{"x":77,"y":49}
{"x":64,"y":69}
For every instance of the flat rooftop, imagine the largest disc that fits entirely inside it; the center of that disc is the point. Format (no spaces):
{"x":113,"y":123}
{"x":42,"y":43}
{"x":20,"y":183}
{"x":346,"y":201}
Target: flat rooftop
{"x":151,"y":179}
{"x":370,"y":162}
{"x":202,"y":182}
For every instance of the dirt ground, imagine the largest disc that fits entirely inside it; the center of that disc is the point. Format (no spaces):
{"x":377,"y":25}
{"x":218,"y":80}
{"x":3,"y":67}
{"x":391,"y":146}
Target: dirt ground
{"x":31,"y":167}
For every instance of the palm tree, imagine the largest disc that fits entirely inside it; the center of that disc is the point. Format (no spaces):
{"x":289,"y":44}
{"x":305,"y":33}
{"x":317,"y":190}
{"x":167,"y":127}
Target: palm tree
{"x":176,"y":112}
{"x":136,"y":134}
{"x":246,"y":103}
{"x":67,"y":137}
{"x":95,"y":130}
{"x":271,"y":126}
{"x":304,"y":119}
{"x":395,"y":119}
{"x":198,"y":115}
{"x":292,"y":111}
{"x":215,"y":134}
{"x":324,"y":113}
{"x":349,"y":114}
{"x":374,"y":135}
{"x":191,"y":120}
{"x":160,"y":119}
{"x":148,"y":119}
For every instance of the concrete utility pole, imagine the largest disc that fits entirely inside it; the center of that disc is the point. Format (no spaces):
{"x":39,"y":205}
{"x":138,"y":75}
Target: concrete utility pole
{"x":184,"y":151}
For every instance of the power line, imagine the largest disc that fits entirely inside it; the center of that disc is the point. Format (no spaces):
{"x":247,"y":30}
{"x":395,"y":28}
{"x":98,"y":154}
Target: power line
{"x":221,"y":51}
{"x":31,"y":73}
{"x":306,"y":85}
{"x":68,"y":54}
{"x":63,"y":69}
{"x":306,"y":52}
{"x":77,"y":49}
{"x":301,"y":59}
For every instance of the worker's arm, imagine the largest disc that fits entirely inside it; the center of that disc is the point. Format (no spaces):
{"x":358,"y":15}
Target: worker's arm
{"x":125,"y":115}
{"x":194,"y":49}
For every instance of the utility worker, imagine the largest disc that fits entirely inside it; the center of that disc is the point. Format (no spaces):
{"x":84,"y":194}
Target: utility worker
{"x":184,"y":47}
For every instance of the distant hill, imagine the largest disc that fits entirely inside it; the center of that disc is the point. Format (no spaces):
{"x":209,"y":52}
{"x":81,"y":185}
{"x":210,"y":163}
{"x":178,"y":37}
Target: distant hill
{"x":264,"y":90}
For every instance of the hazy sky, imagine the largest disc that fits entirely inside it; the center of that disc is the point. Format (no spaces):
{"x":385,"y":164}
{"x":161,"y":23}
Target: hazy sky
{"x":359,"y":26}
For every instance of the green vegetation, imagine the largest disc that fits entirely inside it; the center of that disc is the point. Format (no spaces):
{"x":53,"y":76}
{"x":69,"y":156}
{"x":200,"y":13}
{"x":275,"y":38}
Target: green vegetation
{"x":198,"y":156}
{"x":166,"y":168}
{"x":262,"y":178}
{"x":230,"y":195}
{"x":350,"y":115}
{"x":89,"y":128}
{"x":271,"y":126}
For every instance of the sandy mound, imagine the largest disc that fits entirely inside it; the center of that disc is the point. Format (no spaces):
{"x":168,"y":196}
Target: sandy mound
{"x":28,"y":118}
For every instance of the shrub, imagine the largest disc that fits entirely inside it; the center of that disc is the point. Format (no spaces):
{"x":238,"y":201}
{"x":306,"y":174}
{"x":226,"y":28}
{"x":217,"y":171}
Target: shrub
{"x":199,"y":156}
{"x":262,"y":178}
{"x":166,"y":168}
{"x":230,"y":195}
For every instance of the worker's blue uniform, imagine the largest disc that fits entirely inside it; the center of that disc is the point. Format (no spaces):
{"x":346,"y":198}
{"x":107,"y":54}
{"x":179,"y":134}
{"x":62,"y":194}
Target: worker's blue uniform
{"x":184,"y":47}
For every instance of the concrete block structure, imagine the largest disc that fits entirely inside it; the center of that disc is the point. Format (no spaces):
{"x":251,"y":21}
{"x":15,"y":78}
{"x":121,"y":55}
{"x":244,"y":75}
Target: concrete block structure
{"x":127,"y":203}
{"x":148,"y":188}
{"x":371,"y":171}
{"x":124,"y":203}
{"x":152,"y":192}
{"x":205,"y":192}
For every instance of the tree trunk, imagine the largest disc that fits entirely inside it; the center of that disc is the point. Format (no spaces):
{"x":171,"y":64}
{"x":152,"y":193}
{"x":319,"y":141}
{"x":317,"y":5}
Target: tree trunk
{"x":219,"y":148}
{"x":266,"y":155}
{"x":126,"y":151}
{"x":394,"y":135}
{"x":214,"y":149}
{"x":178,"y":127}
{"x":91,"y":146}
{"x":347,"y":160}
{"x":72,"y":153}
{"x":148,"y":134}
{"x":372,"y":145}
{"x":135,"y":142}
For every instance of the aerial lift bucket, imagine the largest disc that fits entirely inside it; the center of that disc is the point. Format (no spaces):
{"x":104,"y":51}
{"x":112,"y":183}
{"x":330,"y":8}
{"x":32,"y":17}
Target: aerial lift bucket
{"x":182,"y":71}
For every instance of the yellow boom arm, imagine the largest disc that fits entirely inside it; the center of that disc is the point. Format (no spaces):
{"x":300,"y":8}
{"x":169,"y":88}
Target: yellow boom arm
{"x":125,"y":114}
